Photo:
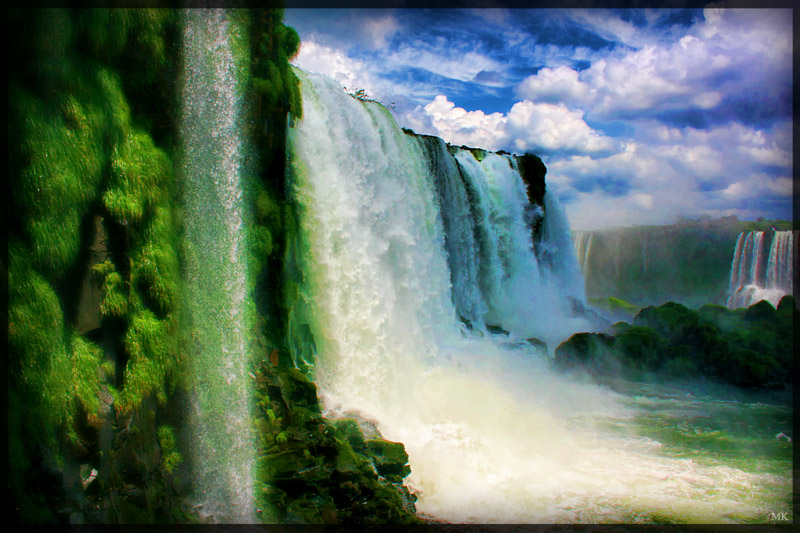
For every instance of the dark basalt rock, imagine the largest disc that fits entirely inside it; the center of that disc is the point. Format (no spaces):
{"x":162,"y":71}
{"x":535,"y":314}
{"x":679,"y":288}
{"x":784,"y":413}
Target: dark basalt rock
{"x":497,"y":330}
{"x":538,"y":343}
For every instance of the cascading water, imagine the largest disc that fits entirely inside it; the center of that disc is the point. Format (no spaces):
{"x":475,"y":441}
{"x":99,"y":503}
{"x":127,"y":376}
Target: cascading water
{"x":459,"y":230}
{"x":492,"y":434}
{"x":582,"y":242}
{"x":215,"y":300}
{"x":758,"y":274}
{"x":517,"y":287}
{"x":557,"y":252}
{"x":780,"y":266}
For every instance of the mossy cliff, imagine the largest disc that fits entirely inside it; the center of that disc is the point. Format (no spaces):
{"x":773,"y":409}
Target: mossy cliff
{"x":96,"y":364}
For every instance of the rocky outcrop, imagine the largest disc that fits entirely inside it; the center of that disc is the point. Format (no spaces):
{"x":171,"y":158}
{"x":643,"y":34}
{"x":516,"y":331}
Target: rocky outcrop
{"x":315,"y":470}
{"x":87,"y":316}
{"x":747,"y":348}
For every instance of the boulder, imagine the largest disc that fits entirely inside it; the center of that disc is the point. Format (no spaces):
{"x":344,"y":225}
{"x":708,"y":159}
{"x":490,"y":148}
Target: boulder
{"x":538,"y":344}
{"x":592,"y":352}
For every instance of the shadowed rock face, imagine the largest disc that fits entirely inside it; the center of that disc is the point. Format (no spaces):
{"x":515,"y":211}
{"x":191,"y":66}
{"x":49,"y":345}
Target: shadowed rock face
{"x":532,"y":170}
{"x":87,"y":316}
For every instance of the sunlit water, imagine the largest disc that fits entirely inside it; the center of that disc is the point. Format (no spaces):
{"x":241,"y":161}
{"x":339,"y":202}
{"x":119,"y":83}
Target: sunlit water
{"x":493,"y":434}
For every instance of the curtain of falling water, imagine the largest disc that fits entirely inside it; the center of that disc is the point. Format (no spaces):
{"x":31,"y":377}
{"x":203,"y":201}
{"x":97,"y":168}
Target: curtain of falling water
{"x":215,"y":301}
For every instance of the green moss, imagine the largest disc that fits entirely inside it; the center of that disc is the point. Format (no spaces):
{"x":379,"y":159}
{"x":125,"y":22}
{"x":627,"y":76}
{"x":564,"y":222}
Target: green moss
{"x":39,"y":361}
{"x":152,"y":347}
{"x":137,"y":170}
{"x":154,"y":260}
{"x":170,"y":458}
{"x":115,"y":298}
{"x":86,"y":378}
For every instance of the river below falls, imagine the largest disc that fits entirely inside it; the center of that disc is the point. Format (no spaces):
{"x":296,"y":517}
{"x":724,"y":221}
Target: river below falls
{"x":728,"y":447}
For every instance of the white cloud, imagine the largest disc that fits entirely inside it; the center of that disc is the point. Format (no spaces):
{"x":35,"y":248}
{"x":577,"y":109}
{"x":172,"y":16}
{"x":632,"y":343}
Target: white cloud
{"x":333,"y":63}
{"x":527,"y":127}
{"x":459,"y":126}
{"x":695,"y":70}
{"x":556,"y":85}
{"x":643,"y":200}
{"x":379,"y":30}
{"x":438,"y":57}
{"x":552,"y":128}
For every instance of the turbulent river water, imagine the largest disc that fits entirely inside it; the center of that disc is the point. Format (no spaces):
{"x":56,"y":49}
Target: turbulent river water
{"x":493,"y":434}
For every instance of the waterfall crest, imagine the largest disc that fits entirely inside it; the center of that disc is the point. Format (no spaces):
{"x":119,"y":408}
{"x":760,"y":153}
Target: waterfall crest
{"x":215,"y":298}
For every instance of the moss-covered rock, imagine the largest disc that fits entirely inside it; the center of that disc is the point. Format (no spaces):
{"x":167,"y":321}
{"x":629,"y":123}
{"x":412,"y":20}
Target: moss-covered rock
{"x":592,"y":352}
{"x":747,"y":348}
{"x":313,"y":470}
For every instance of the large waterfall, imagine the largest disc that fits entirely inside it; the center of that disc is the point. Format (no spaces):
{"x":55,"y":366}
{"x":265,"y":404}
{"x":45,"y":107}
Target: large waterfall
{"x":401,"y":246}
{"x":215,"y":301}
{"x":761,"y":272}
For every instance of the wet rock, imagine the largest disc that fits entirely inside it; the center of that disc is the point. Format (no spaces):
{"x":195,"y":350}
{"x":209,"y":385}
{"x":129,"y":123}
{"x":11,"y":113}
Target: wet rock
{"x":87,"y":316}
{"x":538,"y":344}
{"x":390,"y":458}
{"x":497,"y":330}
{"x":592,"y":352}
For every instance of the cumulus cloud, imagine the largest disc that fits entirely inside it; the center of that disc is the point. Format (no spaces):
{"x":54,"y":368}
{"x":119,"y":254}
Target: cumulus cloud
{"x":528,"y":126}
{"x":351,"y":73}
{"x":461,"y":127}
{"x":688,"y":172}
{"x":554,"y":85}
{"x":730,"y":57}
{"x":553,"y":128}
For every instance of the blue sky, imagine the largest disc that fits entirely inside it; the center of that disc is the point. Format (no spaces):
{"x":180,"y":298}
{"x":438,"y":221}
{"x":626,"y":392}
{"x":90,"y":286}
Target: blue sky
{"x":640,"y":115}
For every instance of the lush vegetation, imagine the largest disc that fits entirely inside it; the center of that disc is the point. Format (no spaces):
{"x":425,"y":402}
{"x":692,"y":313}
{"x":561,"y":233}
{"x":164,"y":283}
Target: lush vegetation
{"x":81,"y":152}
{"x":96,"y":405}
{"x":312,"y":470}
{"x":745,"y":347}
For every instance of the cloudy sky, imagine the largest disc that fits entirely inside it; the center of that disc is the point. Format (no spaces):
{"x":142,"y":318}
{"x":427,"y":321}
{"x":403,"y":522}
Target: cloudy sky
{"x":640,"y":116}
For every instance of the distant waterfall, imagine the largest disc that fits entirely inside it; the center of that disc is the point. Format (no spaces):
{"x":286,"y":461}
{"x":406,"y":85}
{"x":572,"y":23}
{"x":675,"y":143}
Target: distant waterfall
{"x":780,"y":266}
{"x":759,"y":272}
{"x":582,"y":243}
{"x":399,"y":244}
{"x":215,"y":300}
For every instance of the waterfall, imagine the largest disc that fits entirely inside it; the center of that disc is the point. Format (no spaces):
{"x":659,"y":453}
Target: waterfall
{"x":757,"y":274}
{"x":459,"y":231}
{"x":215,"y":300}
{"x":582,"y":242}
{"x":563,"y":269}
{"x":492,"y":434}
{"x":518,"y":287}
{"x":780,"y":266}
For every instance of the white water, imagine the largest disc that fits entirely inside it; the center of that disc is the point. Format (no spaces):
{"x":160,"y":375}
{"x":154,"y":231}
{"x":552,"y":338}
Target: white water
{"x":492,"y":434}
{"x":459,"y":229}
{"x":758,"y":274}
{"x":582,"y":243}
{"x":214,"y":165}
